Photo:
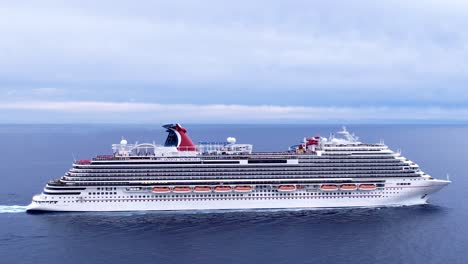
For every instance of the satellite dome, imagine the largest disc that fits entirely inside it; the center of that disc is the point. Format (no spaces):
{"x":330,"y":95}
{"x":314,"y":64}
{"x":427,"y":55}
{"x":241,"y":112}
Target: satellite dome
{"x":231,"y":140}
{"x":123,"y":142}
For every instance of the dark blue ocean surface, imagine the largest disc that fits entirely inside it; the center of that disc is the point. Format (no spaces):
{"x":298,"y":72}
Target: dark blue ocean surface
{"x":33,"y":154}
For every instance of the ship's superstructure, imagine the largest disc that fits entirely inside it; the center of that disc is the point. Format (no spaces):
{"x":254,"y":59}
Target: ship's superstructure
{"x":320,"y":172}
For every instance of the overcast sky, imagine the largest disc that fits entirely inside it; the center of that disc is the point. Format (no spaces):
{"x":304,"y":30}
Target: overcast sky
{"x":217,"y":61}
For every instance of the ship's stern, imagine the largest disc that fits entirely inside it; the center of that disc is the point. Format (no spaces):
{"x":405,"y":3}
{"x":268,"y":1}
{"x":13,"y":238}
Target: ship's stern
{"x":37,"y":205}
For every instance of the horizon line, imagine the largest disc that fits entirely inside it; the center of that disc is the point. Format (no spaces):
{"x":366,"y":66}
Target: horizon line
{"x":142,"y":113}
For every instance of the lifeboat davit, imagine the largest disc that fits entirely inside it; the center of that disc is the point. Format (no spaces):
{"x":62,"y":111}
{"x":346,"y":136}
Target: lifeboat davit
{"x":202,"y":189}
{"x":182,"y":189}
{"x":367,"y":187}
{"x":329,"y":187}
{"x":243,"y":189}
{"x":348,"y":187}
{"x":161,"y":189}
{"x":223,"y":189}
{"x":287,"y":188}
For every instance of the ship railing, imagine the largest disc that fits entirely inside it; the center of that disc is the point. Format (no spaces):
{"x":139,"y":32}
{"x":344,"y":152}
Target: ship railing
{"x":263,"y":155}
{"x":227,"y":171}
{"x":242,"y":168}
{"x":223,"y":178}
{"x":324,"y":158}
{"x":300,"y":164}
{"x":237,"y":168}
{"x":215,"y":180}
{"x":105,"y":157}
{"x":243,"y":174}
{"x":256,"y":176}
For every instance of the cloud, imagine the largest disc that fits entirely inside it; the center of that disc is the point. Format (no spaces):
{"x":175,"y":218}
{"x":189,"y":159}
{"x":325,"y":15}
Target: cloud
{"x":339,"y":57}
{"x":45,"y":91}
{"x":214,"y":113}
{"x":299,"y":42}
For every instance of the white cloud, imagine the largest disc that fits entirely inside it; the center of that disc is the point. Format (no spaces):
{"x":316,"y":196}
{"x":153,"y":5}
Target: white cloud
{"x":268,"y":42}
{"x":45,"y":91}
{"x":143,"y":112}
{"x":234,"y":53}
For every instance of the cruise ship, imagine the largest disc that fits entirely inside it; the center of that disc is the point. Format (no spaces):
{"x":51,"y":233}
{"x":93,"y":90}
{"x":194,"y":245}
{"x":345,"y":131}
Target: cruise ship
{"x":319,"y":172}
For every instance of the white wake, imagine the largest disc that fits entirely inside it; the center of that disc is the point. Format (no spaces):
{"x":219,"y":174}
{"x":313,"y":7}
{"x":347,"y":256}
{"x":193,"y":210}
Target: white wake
{"x":12,"y":209}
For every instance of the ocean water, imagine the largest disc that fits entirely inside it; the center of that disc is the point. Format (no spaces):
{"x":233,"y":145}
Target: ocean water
{"x":33,"y":154}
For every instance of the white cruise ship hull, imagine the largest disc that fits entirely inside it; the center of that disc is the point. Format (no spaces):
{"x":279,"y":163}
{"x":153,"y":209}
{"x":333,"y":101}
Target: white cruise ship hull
{"x":318,"y":173}
{"x":416,"y":194}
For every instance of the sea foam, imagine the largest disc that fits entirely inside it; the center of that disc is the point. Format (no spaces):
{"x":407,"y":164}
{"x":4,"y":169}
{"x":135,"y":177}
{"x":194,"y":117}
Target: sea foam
{"x":12,"y":209}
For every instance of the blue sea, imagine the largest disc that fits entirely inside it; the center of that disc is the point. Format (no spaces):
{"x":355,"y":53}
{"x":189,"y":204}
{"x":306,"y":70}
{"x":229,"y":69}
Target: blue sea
{"x":30,"y":155}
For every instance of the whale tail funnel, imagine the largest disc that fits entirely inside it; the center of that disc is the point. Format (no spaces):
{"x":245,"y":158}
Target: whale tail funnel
{"x":178,"y":138}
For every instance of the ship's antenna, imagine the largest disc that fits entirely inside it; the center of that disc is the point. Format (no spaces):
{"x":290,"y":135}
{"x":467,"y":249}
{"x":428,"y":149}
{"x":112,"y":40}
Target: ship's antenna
{"x":74,"y":159}
{"x":448,"y":177}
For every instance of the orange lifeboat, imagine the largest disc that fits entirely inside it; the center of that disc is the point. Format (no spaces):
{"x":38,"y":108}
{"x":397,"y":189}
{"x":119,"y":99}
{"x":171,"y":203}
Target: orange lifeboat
{"x":367,"y":187}
{"x":329,"y":187}
{"x":181,"y":189}
{"x":348,"y":187}
{"x":223,"y":189}
{"x":243,"y":189}
{"x":161,"y":189}
{"x":287,"y":188}
{"x":202,"y":189}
